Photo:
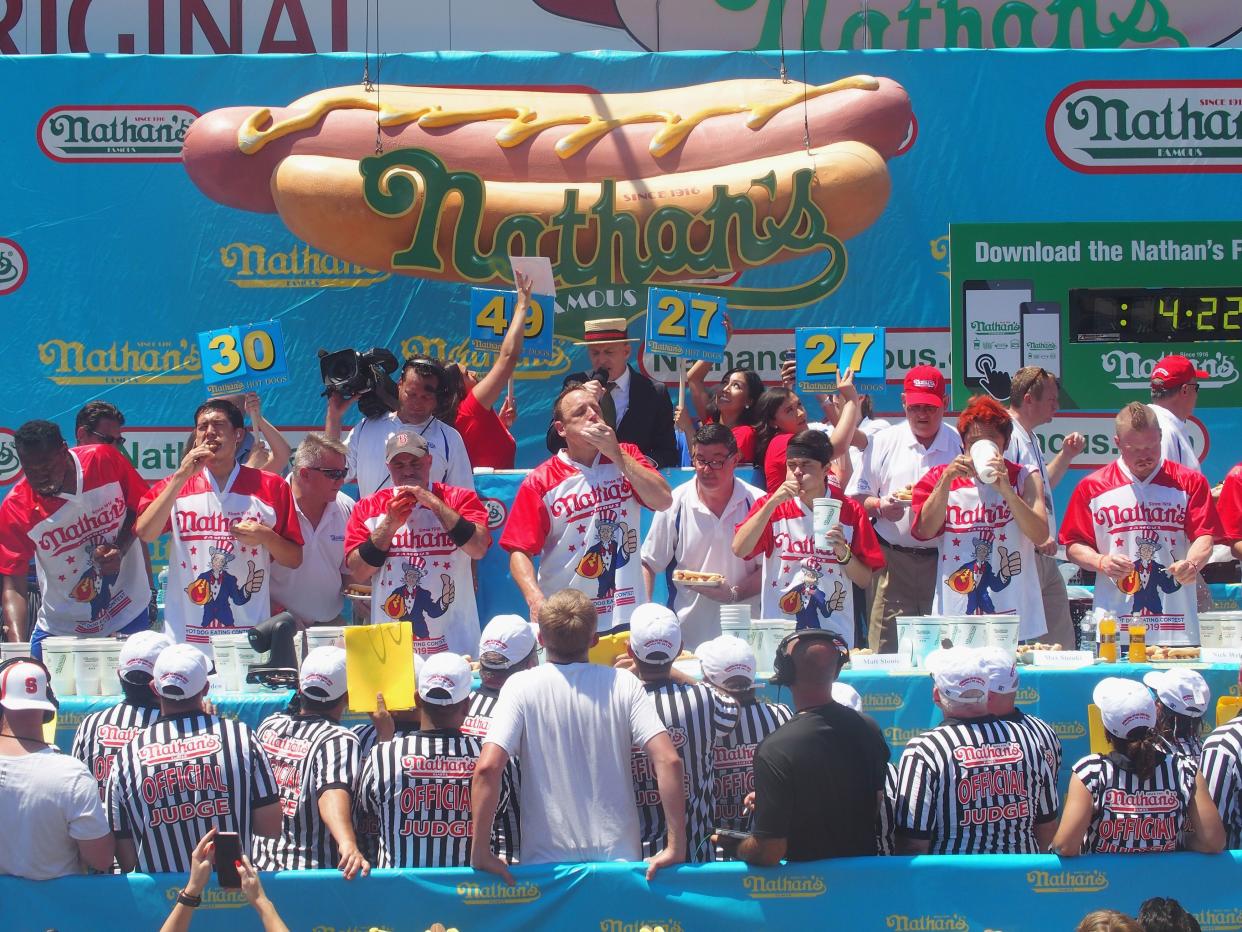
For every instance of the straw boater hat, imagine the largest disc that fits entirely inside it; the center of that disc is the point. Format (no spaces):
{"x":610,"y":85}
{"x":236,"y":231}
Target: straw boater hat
{"x":605,"y":330}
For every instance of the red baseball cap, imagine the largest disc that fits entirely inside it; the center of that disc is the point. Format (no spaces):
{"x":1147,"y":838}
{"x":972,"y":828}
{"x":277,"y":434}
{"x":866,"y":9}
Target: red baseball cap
{"x":924,"y":385}
{"x":1174,"y":372}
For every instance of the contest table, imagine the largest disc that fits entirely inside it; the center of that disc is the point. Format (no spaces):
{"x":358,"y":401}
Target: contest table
{"x":901,"y":703}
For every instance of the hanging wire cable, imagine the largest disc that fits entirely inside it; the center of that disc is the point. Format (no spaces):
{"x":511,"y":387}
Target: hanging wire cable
{"x":366,"y":49}
{"x":379,"y":57}
{"x":806,"y":117}
{"x":780,"y":35}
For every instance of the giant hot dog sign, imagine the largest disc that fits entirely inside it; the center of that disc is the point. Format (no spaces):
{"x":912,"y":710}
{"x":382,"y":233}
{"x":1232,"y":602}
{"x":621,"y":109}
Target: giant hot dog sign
{"x":695,"y":183}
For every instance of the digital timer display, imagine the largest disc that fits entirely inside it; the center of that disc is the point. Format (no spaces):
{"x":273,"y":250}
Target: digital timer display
{"x":1155,"y":315}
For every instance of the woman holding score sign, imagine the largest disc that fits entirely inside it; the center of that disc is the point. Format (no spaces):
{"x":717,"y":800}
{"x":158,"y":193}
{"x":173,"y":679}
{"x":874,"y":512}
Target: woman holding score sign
{"x":779,"y":414}
{"x":470,"y":398}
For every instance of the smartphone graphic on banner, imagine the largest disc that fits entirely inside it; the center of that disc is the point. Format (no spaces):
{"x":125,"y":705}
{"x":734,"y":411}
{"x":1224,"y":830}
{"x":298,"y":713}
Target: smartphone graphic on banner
{"x":992,"y":327}
{"x":1041,"y":335}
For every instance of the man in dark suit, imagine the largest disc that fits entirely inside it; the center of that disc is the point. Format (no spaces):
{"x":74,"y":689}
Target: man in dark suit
{"x":636,"y":407}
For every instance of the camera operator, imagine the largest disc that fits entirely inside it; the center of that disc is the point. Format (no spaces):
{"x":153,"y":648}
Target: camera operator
{"x":420,"y":391}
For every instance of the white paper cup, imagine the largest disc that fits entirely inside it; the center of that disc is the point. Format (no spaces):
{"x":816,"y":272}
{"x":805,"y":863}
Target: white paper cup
{"x":109,"y":663}
{"x":905,"y":638}
{"x":925,"y":635}
{"x":766,"y":637}
{"x":247,"y":657}
{"x":325,"y":636}
{"x":58,"y":658}
{"x":968,"y":631}
{"x":1209,"y":629}
{"x":1003,"y":633}
{"x":87,"y":666}
{"x":11,"y":649}
{"x":227,"y":671}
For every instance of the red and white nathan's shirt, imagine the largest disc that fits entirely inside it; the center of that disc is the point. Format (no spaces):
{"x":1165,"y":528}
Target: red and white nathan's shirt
{"x":62,"y":531}
{"x":987,"y":565}
{"x":581,"y":521}
{"x":216,"y":584}
{"x":426,"y":579}
{"x":1153,"y":522}
{"x":1230,"y":505}
{"x":807,"y":584}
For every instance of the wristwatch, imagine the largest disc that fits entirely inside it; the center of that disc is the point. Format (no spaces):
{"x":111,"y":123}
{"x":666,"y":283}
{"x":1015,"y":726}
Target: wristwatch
{"x":189,"y":899}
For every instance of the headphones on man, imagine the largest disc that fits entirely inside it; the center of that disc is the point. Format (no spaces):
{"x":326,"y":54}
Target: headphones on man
{"x":49,"y":695}
{"x":783,"y":670}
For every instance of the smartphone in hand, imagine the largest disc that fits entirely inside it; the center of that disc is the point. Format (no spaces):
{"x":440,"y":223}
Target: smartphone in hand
{"x":228,"y":852}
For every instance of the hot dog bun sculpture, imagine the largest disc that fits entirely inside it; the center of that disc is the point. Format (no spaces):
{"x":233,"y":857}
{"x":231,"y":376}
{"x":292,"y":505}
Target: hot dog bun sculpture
{"x":693,"y":182}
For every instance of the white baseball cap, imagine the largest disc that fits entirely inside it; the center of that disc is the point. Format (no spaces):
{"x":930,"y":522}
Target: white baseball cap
{"x":846,"y":695}
{"x":511,"y":636}
{"x":958,"y":674}
{"x":725,"y":657}
{"x":180,"y":671}
{"x":655,"y":633}
{"x":1185,"y":692}
{"x":444,"y":679}
{"x":1001,"y":670}
{"x":322,"y":676}
{"x":139,"y":652}
{"x":1124,"y":705}
{"x":24,"y":686}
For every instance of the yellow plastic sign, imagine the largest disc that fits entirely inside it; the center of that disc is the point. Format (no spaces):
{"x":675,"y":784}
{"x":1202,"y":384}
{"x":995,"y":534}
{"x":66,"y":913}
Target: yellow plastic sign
{"x":380,"y":659}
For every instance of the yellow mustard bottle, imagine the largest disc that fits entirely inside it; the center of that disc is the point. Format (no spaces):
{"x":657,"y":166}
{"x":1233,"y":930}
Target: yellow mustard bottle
{"x":1108,"y":640}
{"x":1138,"y":642}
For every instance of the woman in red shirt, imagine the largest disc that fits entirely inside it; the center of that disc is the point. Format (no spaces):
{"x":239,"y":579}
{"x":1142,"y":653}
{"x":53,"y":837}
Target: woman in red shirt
{"x":779,"y":414}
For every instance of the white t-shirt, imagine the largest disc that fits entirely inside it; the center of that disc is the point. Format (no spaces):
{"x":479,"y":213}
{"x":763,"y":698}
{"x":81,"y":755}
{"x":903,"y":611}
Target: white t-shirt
{"x":367,"y":440}
{"x":48,"y":802}
{"x":1175,"y":443}
{"x":687,"y":536}
{"x":581,"y":521}
{"x":894,"y":460}
{"x":1153,"y":522}
{"x":427,"y":579}
{"x":216,"y":584}
{"x":61,"y":532}
{"x":312,"y":592}
{"x":869,"y":426}
{"x":1024,"y":450}
{"x":573,"y":726}
{"x":987,"y":565}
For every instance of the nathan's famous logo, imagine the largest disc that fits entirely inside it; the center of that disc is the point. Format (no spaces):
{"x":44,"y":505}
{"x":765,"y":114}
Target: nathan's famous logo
{"x":142,"y":362}
{"x":527,"y":368}
{"x":640,"y":925}
{"x":496,"y":513}
{"x":1026,"y":695}
{"x":1153,"y":126}
{"x":899,"y":737}
{"x":882,"y":702}
{"x":1132,"y":369}
{"x":121,"y":133}
{"x":1069,"y":731}
{"x":213,"y":897}
{"x":794,"y":887}
{"x":13,"y":266}
{"x":256,"y":266}
{"x":900,"y":922}
{"x":1220,"y":920}
{"x":499,"y":893}
{"x":1067,"y":881}
{"x":179,"y":749}
{"x":659,"y":250}
{"x":994,"y":326}
{"x":10,"y":466}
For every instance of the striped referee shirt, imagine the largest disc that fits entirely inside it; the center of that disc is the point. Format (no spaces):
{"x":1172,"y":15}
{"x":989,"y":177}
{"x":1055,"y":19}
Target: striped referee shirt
{"x":696,"y":717}
{"x":418,"y":788}
{"x":1134,"y":816}
{"x":181,"y":777}
{"x":887,"y":812}
{"x":1222,"y":769}
{"x":309,"y":754}
{"x":506,"y":831}
{"x":1049,"y":743}
{"x":101,"y":735}
{"x":975,"y":786}
{"x":733,"y":754}
{"x":366,"y":828}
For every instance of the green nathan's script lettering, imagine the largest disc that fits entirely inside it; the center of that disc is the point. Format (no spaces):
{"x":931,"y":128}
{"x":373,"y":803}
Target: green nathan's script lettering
{"x":628,"y":247}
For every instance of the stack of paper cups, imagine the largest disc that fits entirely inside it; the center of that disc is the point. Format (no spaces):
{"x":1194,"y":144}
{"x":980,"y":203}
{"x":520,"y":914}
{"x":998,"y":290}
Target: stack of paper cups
{"x":766,"y":637}
{"x":968,"y":630}
{"x":1209,"y":629}
{"x":87,"y":665}
{"x":1003,"y":633}
{"x":247,"y":657}
{"x":58,"y":658}
{"x":225,"y":646}
{"x":11,"y":649}
{"x":924,"y":639}
{"x":328,"y":636}
{"x":109,"y":663}
{"x":735,"y":620}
